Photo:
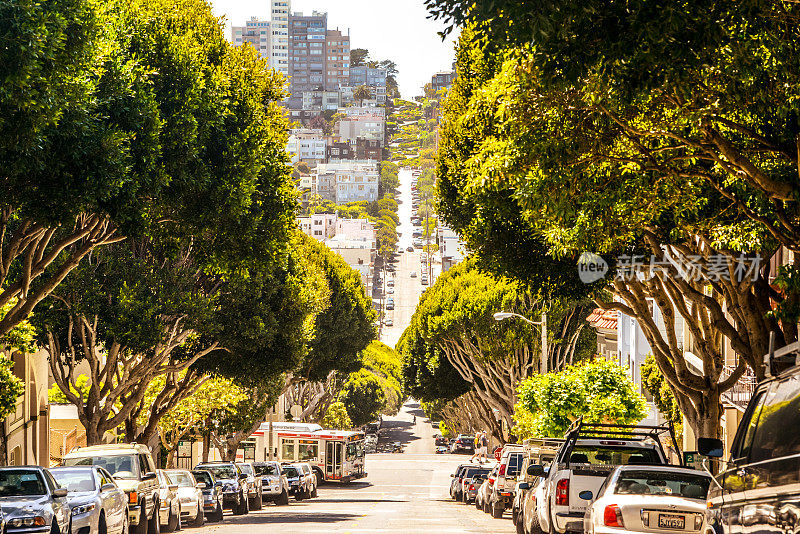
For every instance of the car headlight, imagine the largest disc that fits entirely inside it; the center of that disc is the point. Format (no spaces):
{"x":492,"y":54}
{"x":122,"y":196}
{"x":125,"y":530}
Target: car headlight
{"x":187,"y":499}
{"x":34,"y":521}
{"x":229,"y":488}
{"x":83,"y":509}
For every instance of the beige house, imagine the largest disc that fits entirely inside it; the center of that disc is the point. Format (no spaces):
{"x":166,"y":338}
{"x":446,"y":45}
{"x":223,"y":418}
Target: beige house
{"x":27,"y":428}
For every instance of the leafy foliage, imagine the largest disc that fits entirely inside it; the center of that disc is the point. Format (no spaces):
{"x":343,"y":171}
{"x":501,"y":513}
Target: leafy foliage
{"x":11,"y":387}
{"x":599,"y":391}
{"x":336,"y":417}
{"x":363,"y":397}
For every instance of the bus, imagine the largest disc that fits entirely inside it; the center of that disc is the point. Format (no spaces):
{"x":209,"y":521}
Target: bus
{"x":335,"y":455}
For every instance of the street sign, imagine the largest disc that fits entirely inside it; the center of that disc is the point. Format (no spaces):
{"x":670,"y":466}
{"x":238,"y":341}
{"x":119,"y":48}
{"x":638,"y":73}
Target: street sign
{"x":296,"y":411}
{"x":497,"y":452}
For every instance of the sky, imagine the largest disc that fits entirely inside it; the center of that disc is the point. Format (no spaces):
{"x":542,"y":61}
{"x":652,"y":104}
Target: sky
{"x":397,"y":30}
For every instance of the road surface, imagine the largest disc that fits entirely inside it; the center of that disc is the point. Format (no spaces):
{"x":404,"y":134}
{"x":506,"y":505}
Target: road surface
{"x":404,"y":493}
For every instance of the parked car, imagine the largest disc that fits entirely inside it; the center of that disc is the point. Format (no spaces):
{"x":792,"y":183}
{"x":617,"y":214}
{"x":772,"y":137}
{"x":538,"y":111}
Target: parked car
{"x":538,"y":452}
{"x":583,"y":463}
{"x":390,"y":306}
{"x":32,"y":501}
{"x":471,"y":487}
{"x":96,"y":502}
{"x":468,"y":476}
{"x":528,"y":518}
{"x":410,"y":249}
{"x":294,"y":478}
{"x":234,"y":485}
{"x":442,"y":449}
{"x":463,"y":443}
{"x":309,"y":479}
{"x":482,"y":497}
{"x":756,"y":490}
{"x":463,"y":472}
{"x":190,"y":496}
{"x":212,"y":495}
{"x":134,"y":472}
{"x":390,"y":283}
{"x":424,"y":281}
{"x":413,"y":274}
{"x":170,"y":503}
{"x":502,"y":495}
{"x":254,"y":485}
{"x":661,"y":499}
{"x":274,"y":486}
{"x":441,"y":440}
{"x":390,"y":291}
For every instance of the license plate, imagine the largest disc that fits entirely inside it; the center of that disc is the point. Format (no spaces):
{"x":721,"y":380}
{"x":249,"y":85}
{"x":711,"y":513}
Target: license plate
{"x":677,"y":522}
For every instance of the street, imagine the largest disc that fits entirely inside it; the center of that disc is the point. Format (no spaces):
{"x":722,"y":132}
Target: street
{"x":403,"y":493}
{"x":407,"y":290}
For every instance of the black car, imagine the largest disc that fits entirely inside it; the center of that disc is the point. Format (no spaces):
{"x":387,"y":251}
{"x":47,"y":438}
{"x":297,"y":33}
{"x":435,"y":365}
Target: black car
{"x":463,"y":443}
{"x":212,"y":495}
{"x":757,"y":489}
{"x":234,"y":485}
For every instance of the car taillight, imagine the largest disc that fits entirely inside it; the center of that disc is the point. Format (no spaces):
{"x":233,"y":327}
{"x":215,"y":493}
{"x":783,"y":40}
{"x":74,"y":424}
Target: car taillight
{"x":612,"y":516}
{"x":471,"y":487}
{"x":698,"y":521}
{"x":491,"y":481}
{"x":133,"y":498}
{"x":562,"y":492}
{"x":502,"y":470}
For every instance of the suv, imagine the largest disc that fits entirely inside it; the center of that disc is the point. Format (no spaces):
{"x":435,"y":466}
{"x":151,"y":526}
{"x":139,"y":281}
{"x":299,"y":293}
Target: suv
{"x":274,"y":486}
{"x":308,"y":480}
{"x":757,"y":489}
{"x":234,"y":485}
{"x":536,"y":451}
{"x":463,"y":443}
{"x":134,"y":471}
{"x":589,"y":453}
{"x":254,"y":485}
{"x":508,"y":468}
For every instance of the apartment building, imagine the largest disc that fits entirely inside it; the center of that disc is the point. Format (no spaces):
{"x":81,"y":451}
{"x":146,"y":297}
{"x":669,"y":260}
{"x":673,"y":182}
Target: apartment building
{"x":367,"y":126}
{"x":443,"y":80}
{"x":322,"y":100}
{"x":312,"y":150}
{"x":320,"y":226}
{"x":358,"y":111}
{"x":257,"y":33}
{"x":340,"y":151}
{"x":371,"y":77}
{"x":279,"y":36}
{"x":368,"y":149}
{"x":307,"y":52}
{"x":337,"y":59}
{"x":451,"y":249}
{"x":353,"y":180}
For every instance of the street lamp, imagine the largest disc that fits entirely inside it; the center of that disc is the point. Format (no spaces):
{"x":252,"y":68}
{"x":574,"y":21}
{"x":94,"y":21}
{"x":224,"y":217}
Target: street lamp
{"x":502,"y":316}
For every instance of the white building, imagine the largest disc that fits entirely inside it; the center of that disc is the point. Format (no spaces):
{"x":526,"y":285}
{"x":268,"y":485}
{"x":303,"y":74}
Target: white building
{"x":367,"y":126}
{"x":320,"y":226}
{"x":354,"y":180}
{"x":311,"y":150}
{"x":451,"y":249}
{"x":279,"y":45}
{"x":357,"y":111}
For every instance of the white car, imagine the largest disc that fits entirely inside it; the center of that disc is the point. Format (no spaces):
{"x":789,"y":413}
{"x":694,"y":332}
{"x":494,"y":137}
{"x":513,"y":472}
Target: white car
{"x":390,"y":291}
{"x":413,"y":274}
{"x":638,"y":498}
{"x":388,"y":321}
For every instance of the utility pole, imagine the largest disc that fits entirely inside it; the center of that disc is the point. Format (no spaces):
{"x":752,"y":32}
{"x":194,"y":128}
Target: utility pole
{"x":543,"y":367}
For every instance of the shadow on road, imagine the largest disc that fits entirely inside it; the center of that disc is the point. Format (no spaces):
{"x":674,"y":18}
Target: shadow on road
{"x":291,"y":517}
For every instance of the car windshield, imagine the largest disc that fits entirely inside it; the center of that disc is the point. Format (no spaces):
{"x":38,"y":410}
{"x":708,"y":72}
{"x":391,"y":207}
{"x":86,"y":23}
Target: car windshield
{"x":204,"y":477}
{"x":221,"y":471}
{"x":118,"y":466}
{"x":21,"y":483}
{"x":291,"y":472}
{"x":663,"y":483}
{"x":609,"y":455}
{"x":183,"y":480}
{"x":266,"y":469}
{"x":75,"y":480}
{"x":246,"y":469}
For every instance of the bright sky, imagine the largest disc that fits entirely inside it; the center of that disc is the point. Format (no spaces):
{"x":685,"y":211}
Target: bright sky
{"x":397,"y":30}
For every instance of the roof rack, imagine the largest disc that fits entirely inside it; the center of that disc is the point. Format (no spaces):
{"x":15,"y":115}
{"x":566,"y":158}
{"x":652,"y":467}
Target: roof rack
{"x":584,"y":430}
{"x":778,"y":361}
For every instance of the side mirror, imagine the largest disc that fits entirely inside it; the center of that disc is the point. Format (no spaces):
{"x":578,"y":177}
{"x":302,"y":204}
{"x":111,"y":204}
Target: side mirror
{"x":452,"y":475}
{"x":201,"y":485}
{"x":710,"y":447}
{"x":536,"y":470}
{"x":60,"y":493}
{"x":524,"y":486}
{"x":149,"y":476}
{"x":108,"y":486}
{"x":173,"y":487}
{"x":586,"y":495}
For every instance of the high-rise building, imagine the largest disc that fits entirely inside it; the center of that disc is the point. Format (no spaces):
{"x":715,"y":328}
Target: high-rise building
{"x":337,"y":60}
{"x":307,"y":52}
{"x":279,"y":25}
{"x":257,"y":33}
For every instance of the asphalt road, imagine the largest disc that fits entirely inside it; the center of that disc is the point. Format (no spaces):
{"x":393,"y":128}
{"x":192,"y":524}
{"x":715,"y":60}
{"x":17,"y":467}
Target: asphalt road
{"x":403,"y":493}
{"x":407,"y":290}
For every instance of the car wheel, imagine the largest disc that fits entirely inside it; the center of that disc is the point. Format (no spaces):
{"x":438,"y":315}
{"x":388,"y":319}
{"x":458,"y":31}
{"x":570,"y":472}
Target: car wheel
{"x":154,"y":525}
{"x":519,"y":525}
{"x":102,"y":528}
{"x":173,"y":521}
{"x":141,"y":528}
{"x":314,"y":492}
{"x":536,"y":528}
{"x":283,"y":500}
{"x":497,"y":510}
{"x":201,"y":517}
{"x":477,"y":504}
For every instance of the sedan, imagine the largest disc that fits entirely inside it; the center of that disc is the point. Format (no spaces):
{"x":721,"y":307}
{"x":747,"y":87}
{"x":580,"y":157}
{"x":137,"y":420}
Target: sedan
{"x":32,"y":501}
{"x":471,"y":487}
{"x":388,"y":321}
{"x":413,"y":274}
{"x":485,"y":492}
{"x":661,"y":499}
{"x":212,"y":495}
{"x":169,"y":513}
{"x":410,"y":249}
{"x":190,"y":495}
{"x":96,"y":503}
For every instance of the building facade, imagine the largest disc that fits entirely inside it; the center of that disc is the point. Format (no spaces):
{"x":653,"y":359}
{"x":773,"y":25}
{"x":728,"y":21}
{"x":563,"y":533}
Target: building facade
{"x":257,"y":33}
{"x":307,"y":52}
{"x":371,"y":126}
{"x":368,"y":149}
{"x":337,"y":60}
{"x":337,"y":151}
{"x":279,"y":35}
{"x":312,"y":150}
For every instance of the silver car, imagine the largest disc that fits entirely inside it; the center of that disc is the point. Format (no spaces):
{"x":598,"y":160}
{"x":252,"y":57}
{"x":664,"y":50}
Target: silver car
{"x":274,"y":486}
{"x":96,"y":502}
{"x":169,"y":513}
{"x":190,"y":495}
{"x":32,"y":500}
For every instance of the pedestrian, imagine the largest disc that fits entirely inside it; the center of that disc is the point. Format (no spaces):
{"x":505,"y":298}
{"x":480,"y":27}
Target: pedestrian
{"x":475,"y":445}
{"x":484,"y":444}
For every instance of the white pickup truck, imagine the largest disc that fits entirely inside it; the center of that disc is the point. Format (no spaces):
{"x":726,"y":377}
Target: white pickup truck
{"x":589,"y":454}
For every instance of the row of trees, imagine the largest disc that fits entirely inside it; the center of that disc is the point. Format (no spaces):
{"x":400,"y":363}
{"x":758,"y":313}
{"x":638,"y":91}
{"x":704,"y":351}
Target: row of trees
{"x":147,"y":235}
{"x":627,"y":129}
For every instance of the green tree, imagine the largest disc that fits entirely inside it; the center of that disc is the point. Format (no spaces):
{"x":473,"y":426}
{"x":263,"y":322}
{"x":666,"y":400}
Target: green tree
{"x":363,"y":397}
{"x":361,"y":93}
{"x":599,"y":391}
{"x":358,"y":57}
{"x":655,"y":383}
{"x":11,"y":389}
{"x":336,"y":417}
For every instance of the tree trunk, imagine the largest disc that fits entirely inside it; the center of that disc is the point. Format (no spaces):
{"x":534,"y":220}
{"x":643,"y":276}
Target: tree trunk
{"x":3,"y":443}
{"x":206,"y":446}
{"x":171,"y":459}
{"x":93,"y":434}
